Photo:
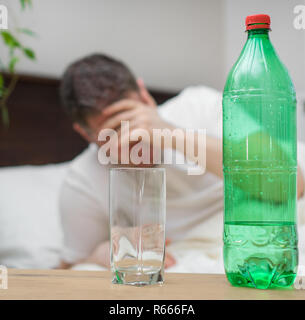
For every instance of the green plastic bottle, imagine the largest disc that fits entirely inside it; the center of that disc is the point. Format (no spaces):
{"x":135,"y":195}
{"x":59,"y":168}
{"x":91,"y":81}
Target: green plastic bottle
{"x":260,"y":166}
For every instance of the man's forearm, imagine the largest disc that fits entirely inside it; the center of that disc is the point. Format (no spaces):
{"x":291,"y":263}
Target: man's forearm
{"x":100,"y":256}
{"x":214,"y":158}
{"x":212,"y":152}
{"x":301,"y":183}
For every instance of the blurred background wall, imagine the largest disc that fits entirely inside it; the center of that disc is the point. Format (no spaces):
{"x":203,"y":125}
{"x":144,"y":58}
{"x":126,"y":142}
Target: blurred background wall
{"x":171,"y":44}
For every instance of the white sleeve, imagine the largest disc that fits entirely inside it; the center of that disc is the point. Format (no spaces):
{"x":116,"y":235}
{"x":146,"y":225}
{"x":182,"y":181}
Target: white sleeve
{"x":84,"y":225}
{"x":195,"y":108}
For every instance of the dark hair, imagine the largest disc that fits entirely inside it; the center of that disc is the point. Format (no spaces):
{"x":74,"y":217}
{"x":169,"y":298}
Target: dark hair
{"x":90,"y":84}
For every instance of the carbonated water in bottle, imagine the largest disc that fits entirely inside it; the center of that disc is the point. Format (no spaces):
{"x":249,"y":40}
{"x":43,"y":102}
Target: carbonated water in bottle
{"x":260,"y":165}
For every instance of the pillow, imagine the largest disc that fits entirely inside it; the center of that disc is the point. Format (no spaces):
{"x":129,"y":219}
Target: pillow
{"x":30,"y":227}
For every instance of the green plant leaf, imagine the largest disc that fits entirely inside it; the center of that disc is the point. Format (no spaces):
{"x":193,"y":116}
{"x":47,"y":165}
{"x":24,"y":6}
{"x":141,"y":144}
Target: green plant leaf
{"x":22,"y":2}
{"x":25,"y":3}
{"x":12,"y":64}
{"x":29,"y":53}
{"x":10,"y":40}
{"x":26,"y":31}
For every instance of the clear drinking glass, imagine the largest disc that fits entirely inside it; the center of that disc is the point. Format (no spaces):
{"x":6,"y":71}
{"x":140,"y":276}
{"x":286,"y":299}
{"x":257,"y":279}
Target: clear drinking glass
{"x":137,"y":225}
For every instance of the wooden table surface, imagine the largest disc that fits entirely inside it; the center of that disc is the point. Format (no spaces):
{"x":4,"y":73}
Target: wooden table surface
{"x":67,"y":284}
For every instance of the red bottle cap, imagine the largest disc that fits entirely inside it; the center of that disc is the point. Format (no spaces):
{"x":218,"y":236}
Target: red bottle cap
{"x":258,"y":21}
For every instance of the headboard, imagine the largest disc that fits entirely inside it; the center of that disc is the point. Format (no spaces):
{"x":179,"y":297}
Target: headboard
{"x":39,"y":130}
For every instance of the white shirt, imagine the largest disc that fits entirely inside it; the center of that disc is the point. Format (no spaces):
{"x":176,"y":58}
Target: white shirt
{"x":191,"y":199}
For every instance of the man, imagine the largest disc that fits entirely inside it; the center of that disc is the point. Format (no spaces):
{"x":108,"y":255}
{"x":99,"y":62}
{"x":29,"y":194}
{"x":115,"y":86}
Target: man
{"x":99,"y":92}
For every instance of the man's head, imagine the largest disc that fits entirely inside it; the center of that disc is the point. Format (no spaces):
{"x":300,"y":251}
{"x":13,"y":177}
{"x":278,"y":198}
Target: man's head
{"x":90,"y":85}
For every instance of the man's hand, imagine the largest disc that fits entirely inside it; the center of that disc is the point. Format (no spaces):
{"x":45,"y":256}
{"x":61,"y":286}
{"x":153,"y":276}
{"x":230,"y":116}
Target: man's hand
{"x":139,"y":116}
{"x":101,"y":256}
{"x":169,"y":260}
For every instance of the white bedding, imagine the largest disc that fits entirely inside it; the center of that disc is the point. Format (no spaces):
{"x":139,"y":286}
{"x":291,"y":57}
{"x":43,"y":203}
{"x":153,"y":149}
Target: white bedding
{"x":31,"y":234}
{"x":30,"y":229}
